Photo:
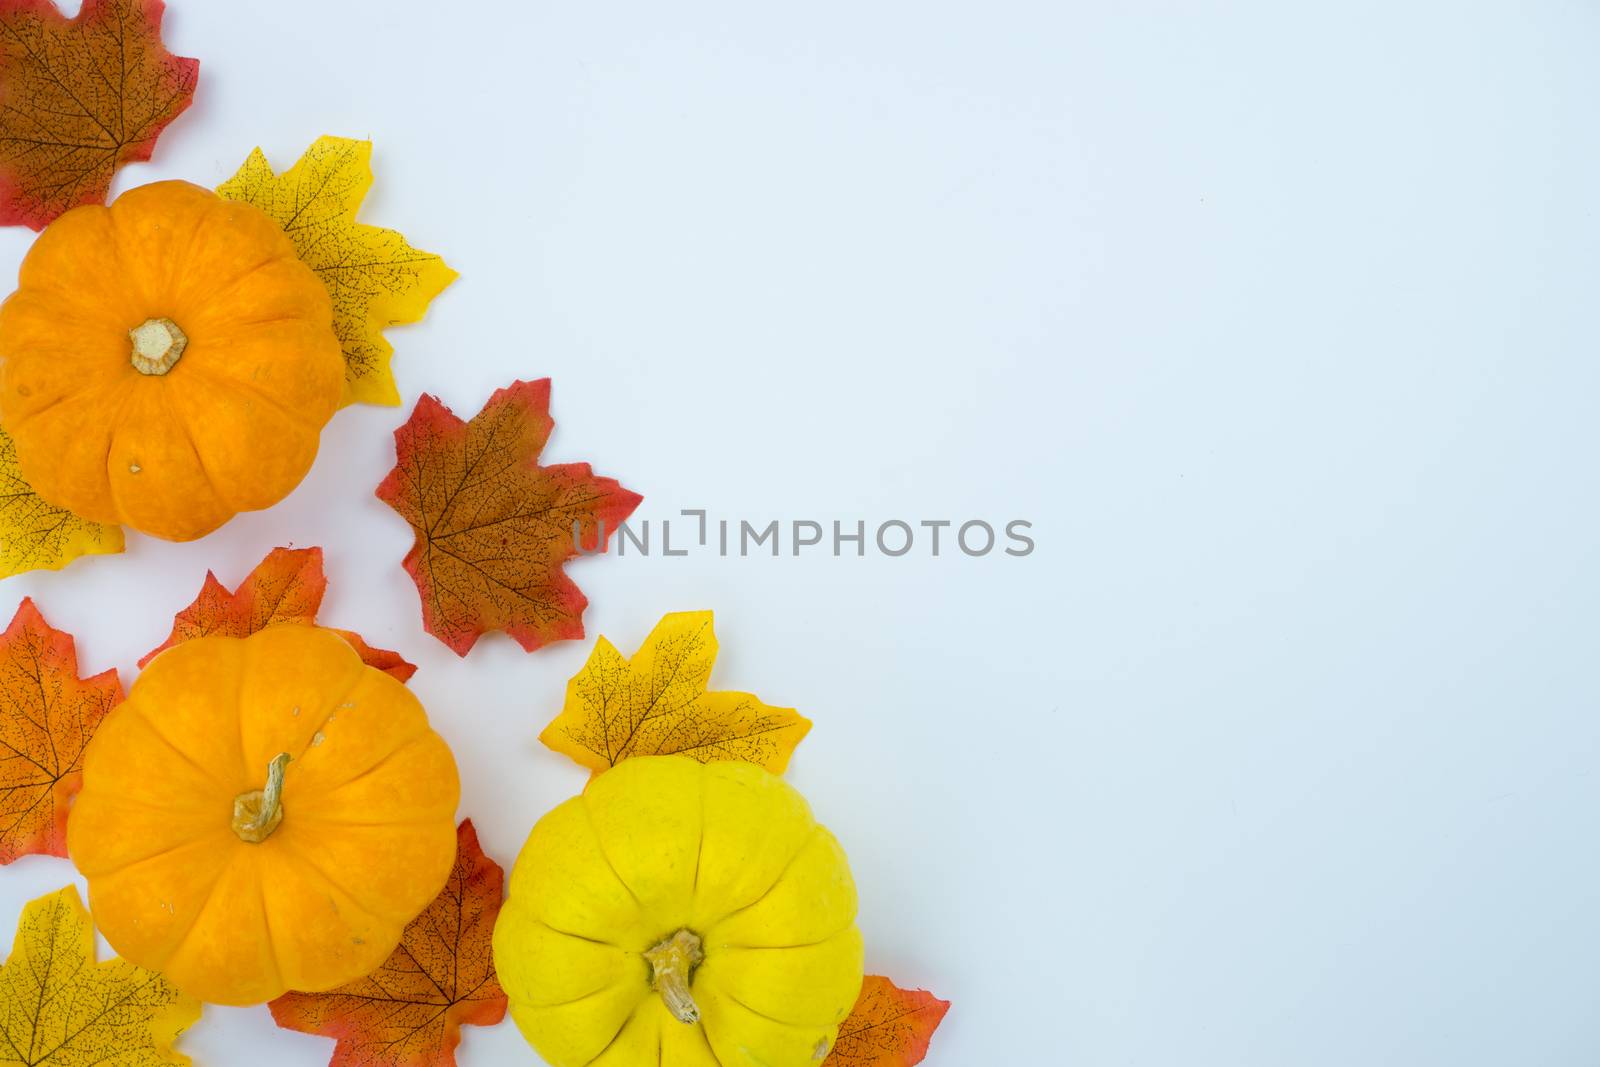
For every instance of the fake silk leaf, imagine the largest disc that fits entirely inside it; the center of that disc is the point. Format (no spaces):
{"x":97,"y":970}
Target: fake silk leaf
{"x":386,"y":661}
{"x":35,"y":535}
{"x":493,"y":528}
{"x":889,"y":1026}
{"x":375,"y":277}
{"x":78,"y":98}
{"x":409,"y":1012}
{"x":287,"y":586}
{"x":657,"y":703}
{"x":59,"y":1008}
{"x":47,"y":715}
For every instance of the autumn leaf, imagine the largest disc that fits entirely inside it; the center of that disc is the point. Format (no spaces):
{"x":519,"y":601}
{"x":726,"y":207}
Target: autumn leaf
{"x":375,"y":277}
{"x":59,"y":1008}
{"x":287,"y":586}
{"x":35,"y":535}
{"x":78,"y":98}
{"x":409,"y":1012}
{"x":47,"y":715}
{"x":657,"y":703}
{"x":493,"y":528}
{"x":386,"y":661}
{"x":888,"y":1027}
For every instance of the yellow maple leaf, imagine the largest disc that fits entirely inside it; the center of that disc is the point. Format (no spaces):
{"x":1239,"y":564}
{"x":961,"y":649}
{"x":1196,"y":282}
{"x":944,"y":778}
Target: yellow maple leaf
{"x":657,"y":704}
{"x":35,"y":535}
{"x":59,"y":1008}
{"x":375,"y":277}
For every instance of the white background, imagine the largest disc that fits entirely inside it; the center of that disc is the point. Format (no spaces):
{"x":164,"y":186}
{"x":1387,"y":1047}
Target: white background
{"x":1276,"y":320}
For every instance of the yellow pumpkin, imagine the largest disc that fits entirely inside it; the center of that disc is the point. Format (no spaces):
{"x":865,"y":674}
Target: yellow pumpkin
{"x":166,"y":361}
{"x":680,"y":914}
{"x":263,"y":814}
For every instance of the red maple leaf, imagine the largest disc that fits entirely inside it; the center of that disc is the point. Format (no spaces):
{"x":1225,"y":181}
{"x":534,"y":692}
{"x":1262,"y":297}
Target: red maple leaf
{"x":888,"y":1027}
{"x":78,"y":98}
{"x":409,"y":1012}
{"x":47,"y":715}
{"x":287,"y":586}
{"x":493,"y":528}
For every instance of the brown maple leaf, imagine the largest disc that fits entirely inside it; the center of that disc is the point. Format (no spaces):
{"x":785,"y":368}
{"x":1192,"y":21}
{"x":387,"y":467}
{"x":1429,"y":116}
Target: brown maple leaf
{"x":47,"y":715}
{"x":78,"y":98}
{"x":409,"y":1012}
{"x":493,"y":528}
{"x":888,"y":1027}
{"x":287,"y":586}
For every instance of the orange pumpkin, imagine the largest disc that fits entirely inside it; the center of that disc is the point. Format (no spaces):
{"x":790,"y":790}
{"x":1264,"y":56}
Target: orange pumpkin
{"x":263,"y":814}
{"x":166,"y":362}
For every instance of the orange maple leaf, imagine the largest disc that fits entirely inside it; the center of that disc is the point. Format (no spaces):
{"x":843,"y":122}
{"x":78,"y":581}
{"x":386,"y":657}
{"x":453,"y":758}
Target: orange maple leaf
{"x":888,"y":1027}
{"x":78,"y":98}
{"x":409,"y":1012}
{"x":493,"y":528}
{"x":47,"y":715}
{"x":287,"y":586}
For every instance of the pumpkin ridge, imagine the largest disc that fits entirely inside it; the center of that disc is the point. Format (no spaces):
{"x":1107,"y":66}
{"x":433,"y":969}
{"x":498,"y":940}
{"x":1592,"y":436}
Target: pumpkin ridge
{"x":776,"y":882}
{"x":336,"y":704}
{"x":225,"y":381}
{"x":247,"y":671}
{"x":381,"y":818}
{"x":730,"y":946}
{"x":700,"y":849}
{"x":288,"y":845}
{"x":580,"y":937}
{"x":395,"y":921}
{"x":225,"y":290}
{"x":272,"y":938}
{"x":25,"y":457}
{"x":117,"y":420}
{"x":102,"y":872}
{"x":194,"y":920}
{"x":614,"y":1039}
{"x":181,"y":419}
{"x":153,"y":722}
{"x":600,"y":847}
{"x":721,"y":988}
{"x":644,"y":996}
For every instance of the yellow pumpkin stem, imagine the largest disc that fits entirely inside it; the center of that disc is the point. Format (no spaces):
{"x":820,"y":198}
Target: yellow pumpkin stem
{"x":672,"y":964}
{"x":257,"y":813}
{"x":157,"y":344}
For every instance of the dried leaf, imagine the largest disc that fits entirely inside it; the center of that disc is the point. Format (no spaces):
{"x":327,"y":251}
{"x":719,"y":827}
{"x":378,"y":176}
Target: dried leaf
{"x":375,"y":277}
{"x":35,"y":535}
{"x":888,"y":1027}
{"x":59,"y":1008}
{"x":287,"y":586}
{"x":47,"y":715}
{"x":409,"y":1012}
{"x":657,"y":703}
{"x":79,"y":98}
{"x":493,"y":528}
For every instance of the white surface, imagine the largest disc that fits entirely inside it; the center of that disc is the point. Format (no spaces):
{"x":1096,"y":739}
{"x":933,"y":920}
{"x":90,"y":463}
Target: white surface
{"x":1279,"y":326}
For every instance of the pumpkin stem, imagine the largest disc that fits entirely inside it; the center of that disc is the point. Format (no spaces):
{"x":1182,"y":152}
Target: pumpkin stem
{"x":671,"y":968}
{"x":672,"y":965}
{"x":257,"y":813}
{"x":157,"y":344}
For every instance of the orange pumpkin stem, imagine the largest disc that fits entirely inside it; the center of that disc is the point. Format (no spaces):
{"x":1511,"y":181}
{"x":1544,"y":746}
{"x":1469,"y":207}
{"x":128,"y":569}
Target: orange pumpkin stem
{"x":157,"y":344}
{"x":257,"y":813}
{"x":672,"y":965}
